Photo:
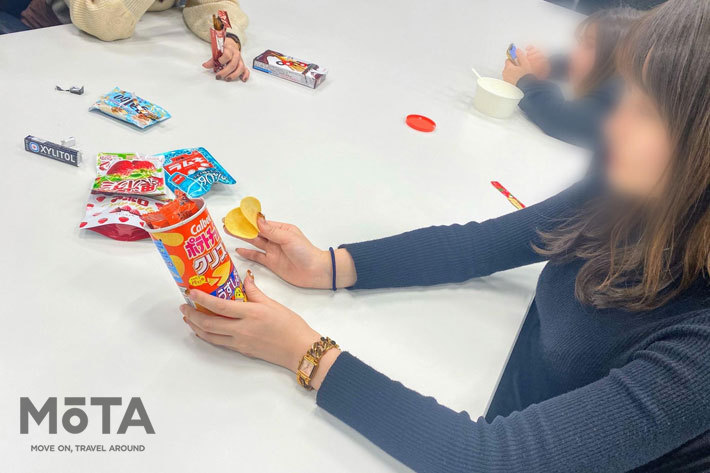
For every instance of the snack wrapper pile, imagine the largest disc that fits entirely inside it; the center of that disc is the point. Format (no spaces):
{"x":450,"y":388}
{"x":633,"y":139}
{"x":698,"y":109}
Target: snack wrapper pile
{"x":127,"y":185}
{"x":218,"y":33}
{"x":193,"y":171}
{"x":130,"y":108}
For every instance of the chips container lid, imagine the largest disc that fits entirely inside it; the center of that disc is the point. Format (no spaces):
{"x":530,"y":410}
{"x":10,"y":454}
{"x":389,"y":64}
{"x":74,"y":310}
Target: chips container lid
{"x":421,"y":123}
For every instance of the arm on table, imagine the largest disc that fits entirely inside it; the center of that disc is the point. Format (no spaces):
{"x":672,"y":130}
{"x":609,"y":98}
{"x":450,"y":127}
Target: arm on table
{"x":456,"y":253}
{"x":574,"y":121}
{"x":108,"y":20}
{"x":198,"y":17}
{"x":650,"y":406}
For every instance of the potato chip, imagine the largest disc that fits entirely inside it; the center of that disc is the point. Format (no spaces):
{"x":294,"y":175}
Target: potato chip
{"x":170,"y":239}
{"x":237,"y":224}
{"x":179,"y":265}
{"x":222,"y":272}
{"x":242,"y":221}
{"x":251,"y":208}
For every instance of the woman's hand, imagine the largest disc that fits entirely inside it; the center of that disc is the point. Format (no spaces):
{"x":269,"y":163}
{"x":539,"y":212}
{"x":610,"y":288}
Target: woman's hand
{"x":288,"y":253}
{"x":539,"y":63}
{"x":232,"y":62}
{"x":261,"y":328}
{"x":512,"y":73}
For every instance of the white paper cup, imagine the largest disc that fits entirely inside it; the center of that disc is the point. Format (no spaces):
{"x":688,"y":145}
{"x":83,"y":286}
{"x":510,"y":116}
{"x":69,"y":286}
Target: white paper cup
{"x":496,"y":98}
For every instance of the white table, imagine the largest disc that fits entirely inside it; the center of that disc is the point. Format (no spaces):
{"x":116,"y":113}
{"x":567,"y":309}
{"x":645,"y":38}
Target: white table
{"x":86,"y":316}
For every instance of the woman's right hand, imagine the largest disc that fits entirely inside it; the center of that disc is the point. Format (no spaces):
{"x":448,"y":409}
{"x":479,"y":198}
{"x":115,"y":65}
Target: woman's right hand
{"x":538,"y":62}
{"x":290,"y":255}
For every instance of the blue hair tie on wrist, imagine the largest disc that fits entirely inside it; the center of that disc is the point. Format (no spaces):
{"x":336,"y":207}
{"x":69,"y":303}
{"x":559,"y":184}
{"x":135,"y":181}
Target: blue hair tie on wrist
{"x":332,"y":260}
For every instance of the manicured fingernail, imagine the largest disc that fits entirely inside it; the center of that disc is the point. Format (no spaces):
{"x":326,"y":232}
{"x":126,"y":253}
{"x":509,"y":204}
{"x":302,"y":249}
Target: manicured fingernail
{"x":183,"y":309}
{"x":250,"y":274}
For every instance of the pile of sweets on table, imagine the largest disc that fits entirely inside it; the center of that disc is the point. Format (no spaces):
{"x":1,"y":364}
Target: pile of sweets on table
{"x":127,"y":185}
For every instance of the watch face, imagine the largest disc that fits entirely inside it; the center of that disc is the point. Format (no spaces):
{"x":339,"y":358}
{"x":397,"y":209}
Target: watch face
{"x":306,"y":367}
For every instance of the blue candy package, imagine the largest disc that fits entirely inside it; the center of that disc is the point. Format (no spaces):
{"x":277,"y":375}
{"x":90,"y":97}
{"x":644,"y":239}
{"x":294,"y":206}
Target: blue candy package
{"x":130,"y":108}
{"x":193,"y":171}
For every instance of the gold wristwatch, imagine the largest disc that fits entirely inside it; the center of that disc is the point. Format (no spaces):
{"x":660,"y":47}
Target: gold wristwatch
{"x":309,"y":362}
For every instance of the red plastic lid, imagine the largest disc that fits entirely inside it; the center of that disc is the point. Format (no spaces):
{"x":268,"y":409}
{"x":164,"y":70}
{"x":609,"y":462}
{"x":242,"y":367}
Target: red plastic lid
{"x":421,"y":123}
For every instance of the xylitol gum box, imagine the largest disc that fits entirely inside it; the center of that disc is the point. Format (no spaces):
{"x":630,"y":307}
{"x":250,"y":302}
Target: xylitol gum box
{"x":289,"y":68}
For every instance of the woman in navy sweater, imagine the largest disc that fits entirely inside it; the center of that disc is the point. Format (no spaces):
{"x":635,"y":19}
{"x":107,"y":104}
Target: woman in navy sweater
{"x":611,"y":371}
{"x":590,"y":72}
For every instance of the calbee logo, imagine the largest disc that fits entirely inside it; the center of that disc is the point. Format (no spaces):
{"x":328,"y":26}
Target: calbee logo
{"x":75,"y":418}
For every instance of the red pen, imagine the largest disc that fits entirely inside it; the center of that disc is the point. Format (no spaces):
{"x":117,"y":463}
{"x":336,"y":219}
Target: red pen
{"x":511,"y":198}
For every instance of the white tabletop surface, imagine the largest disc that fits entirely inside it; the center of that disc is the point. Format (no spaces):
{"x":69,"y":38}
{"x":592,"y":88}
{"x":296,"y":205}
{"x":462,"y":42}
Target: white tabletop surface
{"x":84,"y":315}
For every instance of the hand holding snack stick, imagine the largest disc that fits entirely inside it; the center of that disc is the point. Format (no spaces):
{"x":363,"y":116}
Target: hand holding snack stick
{"x":513,"y":73}
{"x":226,"y":58}
{"x":287,"y":252}
{"x":232,"y":62}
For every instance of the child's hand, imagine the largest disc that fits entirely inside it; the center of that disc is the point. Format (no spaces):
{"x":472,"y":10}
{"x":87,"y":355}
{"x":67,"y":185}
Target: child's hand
{"x":234,"y":67}
{"x":539,"y":63}
{"x":513,"y":73}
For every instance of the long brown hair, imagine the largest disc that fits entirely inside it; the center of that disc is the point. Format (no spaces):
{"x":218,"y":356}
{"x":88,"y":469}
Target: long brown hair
{"x":612,"y":25}
{"x":665,"y":53}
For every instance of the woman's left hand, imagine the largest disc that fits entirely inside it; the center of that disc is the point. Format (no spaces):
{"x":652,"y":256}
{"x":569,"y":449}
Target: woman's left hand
{"x":233,"y":66}
{"x":512,"y":73}
{"x":261,"y":328}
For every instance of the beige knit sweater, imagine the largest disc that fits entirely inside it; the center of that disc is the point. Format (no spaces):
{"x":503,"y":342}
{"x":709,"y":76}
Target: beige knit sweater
{"x":116,"y":19}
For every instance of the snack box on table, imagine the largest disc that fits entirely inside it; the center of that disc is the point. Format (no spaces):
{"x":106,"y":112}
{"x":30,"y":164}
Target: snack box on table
{"x":286,"y":67}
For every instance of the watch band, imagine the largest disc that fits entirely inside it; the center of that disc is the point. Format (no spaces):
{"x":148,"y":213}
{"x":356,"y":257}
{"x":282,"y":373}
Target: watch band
{"x":309,"y":363}
{"x":236,"y":39}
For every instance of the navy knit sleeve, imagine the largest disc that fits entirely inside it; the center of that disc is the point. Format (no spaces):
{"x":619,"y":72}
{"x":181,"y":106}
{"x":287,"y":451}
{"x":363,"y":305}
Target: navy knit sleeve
{"x":656,"y":402}
{"x":574,"y":121}
{"x":456,"y":253}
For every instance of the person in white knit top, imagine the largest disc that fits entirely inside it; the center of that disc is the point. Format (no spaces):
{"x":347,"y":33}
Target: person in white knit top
{"x":110,"y":20}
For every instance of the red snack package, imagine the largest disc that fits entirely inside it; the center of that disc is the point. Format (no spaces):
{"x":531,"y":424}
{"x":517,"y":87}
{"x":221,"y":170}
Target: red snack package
{"x":129,"y":173}
{"x":118,"y":216}
{"x":171,"y":213}
{"x":218,"y":33}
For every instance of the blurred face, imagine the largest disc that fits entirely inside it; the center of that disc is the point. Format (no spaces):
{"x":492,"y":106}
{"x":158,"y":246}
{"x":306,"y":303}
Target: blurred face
{"x":581,"y":60}
{"x":639,"y":146}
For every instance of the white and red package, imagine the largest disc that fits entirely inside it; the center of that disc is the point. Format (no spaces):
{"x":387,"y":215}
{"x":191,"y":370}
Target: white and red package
{"x":118,"y":216}
{"x":218,"y":33}
{"x":132,"y":174}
